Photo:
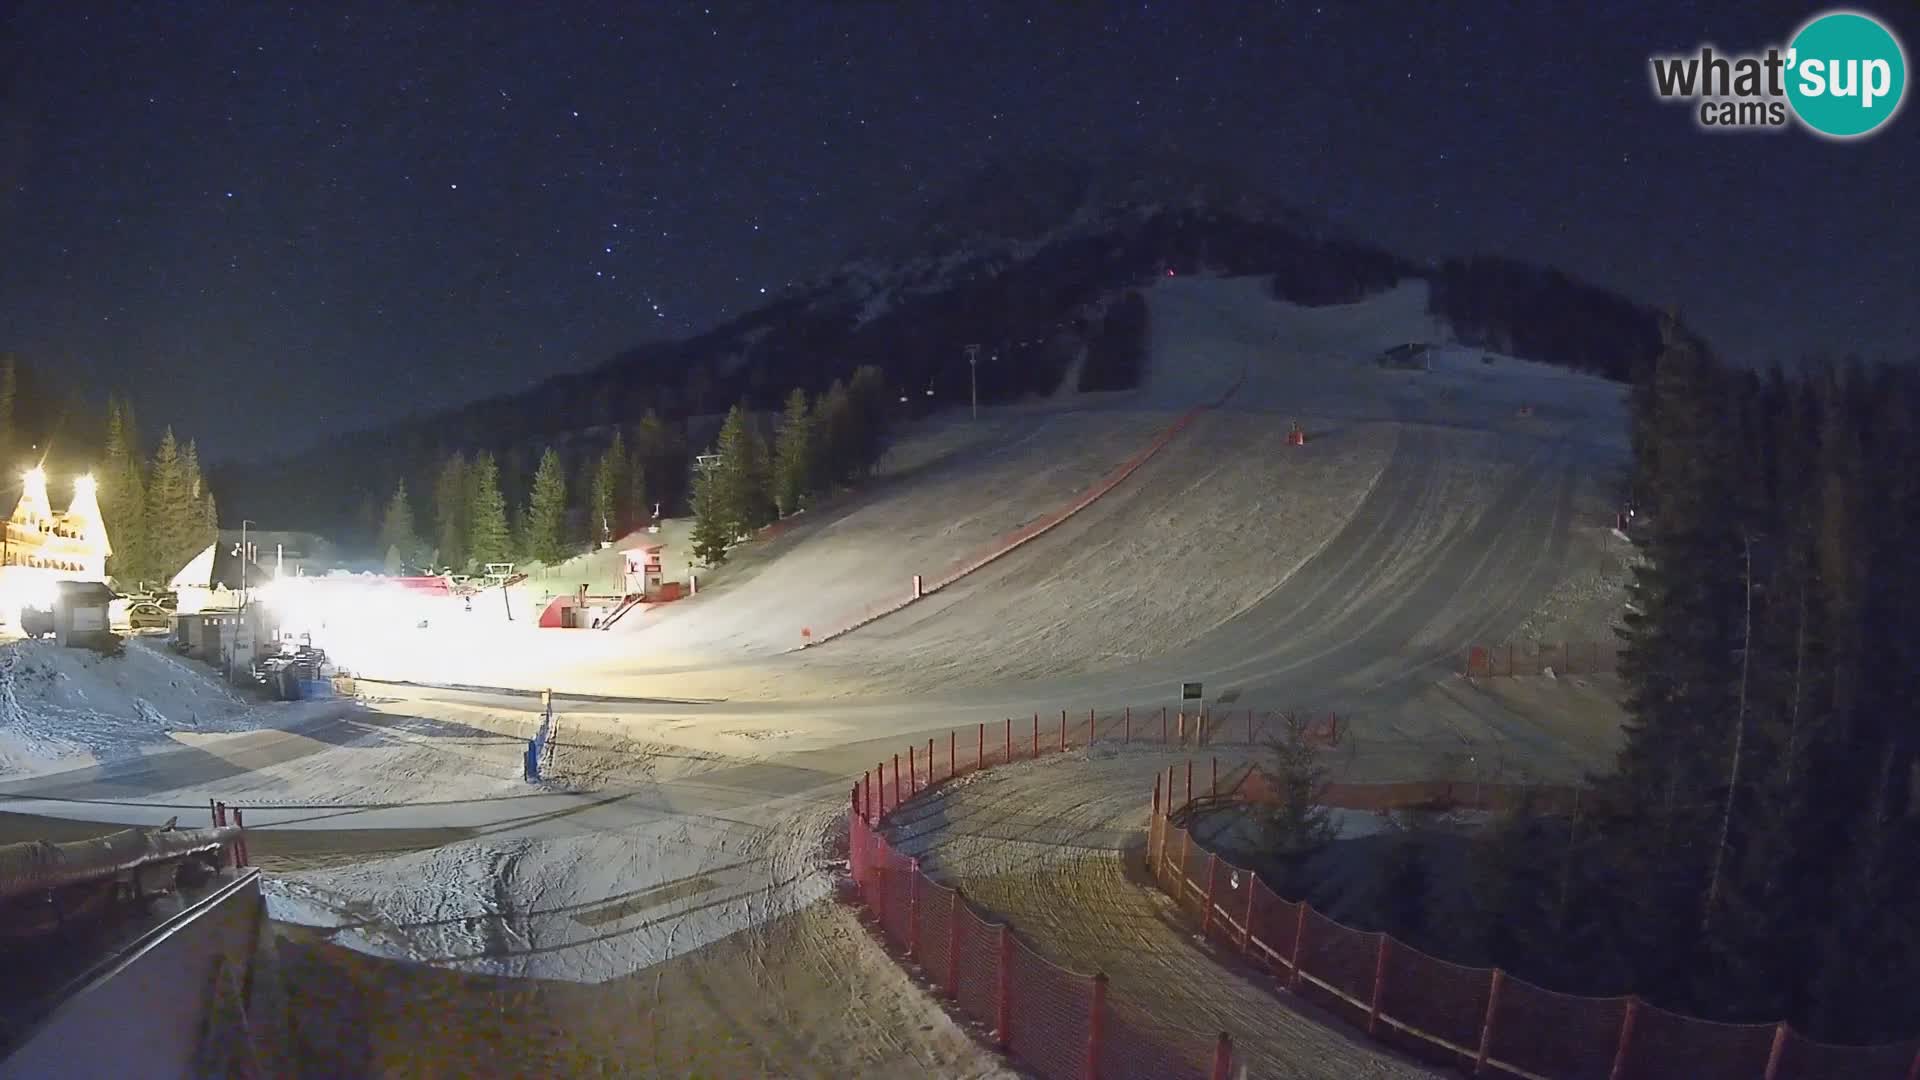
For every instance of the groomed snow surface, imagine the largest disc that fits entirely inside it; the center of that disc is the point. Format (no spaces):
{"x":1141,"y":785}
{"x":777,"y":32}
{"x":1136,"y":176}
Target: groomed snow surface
{"x":700,"y":796}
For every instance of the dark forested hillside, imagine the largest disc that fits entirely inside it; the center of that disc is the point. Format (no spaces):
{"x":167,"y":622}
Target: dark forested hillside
{"x":1040,"y":282}
{"x":1753,"y":855}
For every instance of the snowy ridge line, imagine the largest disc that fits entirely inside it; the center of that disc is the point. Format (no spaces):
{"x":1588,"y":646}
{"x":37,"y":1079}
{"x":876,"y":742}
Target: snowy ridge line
{"x":1274,"y":933}
{"x":1028,"y":533}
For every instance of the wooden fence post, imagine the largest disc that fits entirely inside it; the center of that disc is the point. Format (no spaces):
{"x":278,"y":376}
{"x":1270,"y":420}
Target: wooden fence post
{"x":1096,"y":1024}
{"x":1379,"y":983}
{"x":980,"y":751}
{"x":1779,"y":1049}
{"x":1486,"y":1025}
{"x":1619,"y":1071}
{"x":1213,"y":872}
{"x":953,"y":754}
{"x":913,"y":773}
{"x":1009,"y":760}
{"x":1034,"y":750}
{"x":896,"y":781}
{"x":1063,"y":731}
{"x":1213,"y":785}
{"x":1126,"y":730}
{"x":930,"y":776}
{"x":1189,"y":781}
{"x":881,"y":795}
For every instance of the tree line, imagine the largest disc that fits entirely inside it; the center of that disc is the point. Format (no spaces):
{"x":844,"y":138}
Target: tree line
{"x":819,"y":442}
{"x":1752,"y":856}
{"x":159,"y":512}
{"x":474,"y":517}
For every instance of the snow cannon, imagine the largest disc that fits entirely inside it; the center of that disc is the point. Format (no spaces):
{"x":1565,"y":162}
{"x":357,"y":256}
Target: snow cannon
{"x":1296,"y":437}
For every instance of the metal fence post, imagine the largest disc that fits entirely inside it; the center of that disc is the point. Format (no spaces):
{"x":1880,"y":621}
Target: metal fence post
{"x":213,"y":813}
{"x":240,"y":842}
{"x":1163,"y":725}
{"x":913,"y":909}
{"x":1213,"y":785}
{"x":1246,"y":936}
{"x":913,"y":772}
{"x":1619,"y":1071}
{"x":1096,"y":1024}
{"x":1299,"y":939}
{"x":1063,"y":731}
{"x":1379,"y":983}
{"x":855,"y":809}
{"x":1003,"y":1025}
{"x":1486,"y":1026}
{"x":1034,"y":750}
{"x":953,"y":754}
{"x":930,"y":776}
{"x":1213,"y":873}
{"x":980,"y":751}
{"x":1189,"y":780}
{"x":1126,"y":722}
{"x":880,"y":796}
{"x":1223,"y":1057}
{"x":1009,"y":759}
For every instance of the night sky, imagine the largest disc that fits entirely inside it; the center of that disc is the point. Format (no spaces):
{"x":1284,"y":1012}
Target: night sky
{"x":267,"y":222}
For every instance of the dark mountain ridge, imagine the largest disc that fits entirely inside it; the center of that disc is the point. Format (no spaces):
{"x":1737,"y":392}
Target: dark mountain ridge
{"x":1034,"y":259}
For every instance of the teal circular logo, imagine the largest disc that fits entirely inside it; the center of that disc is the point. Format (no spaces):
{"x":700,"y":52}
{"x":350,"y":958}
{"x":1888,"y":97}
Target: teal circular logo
{"x":1846,"y":74}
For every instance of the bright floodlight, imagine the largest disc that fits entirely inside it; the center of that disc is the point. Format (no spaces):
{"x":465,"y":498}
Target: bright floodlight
{"x":83,"y":485}
{"x":35,"y":476}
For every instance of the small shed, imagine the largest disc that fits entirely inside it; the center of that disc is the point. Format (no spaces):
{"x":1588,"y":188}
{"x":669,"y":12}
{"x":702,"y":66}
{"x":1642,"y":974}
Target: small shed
{"x":643,"y":573}
{"x":80,"y":612}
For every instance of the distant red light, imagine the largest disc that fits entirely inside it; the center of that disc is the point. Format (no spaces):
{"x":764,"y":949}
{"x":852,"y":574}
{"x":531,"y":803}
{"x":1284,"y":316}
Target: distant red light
{"x":1169,"y":271}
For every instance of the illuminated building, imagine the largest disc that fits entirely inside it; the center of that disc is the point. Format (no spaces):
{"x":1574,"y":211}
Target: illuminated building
{"x":42,"y":546}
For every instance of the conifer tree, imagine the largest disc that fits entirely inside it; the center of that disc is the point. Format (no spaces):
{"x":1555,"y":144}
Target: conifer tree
{"x":172,"y":517}
{"x":9,"y":392}
{"x":398,"y":536}
{"x":838,"y":440}
{"x":488,"y":539}
{"x":713,"y":526}
{"x":794,"y":467}
{"x":546,"y":514}
{"x":121,"y":498}
{"x":611,"y":516}
{"x":453,"y":511}
{"x":740,"y":477}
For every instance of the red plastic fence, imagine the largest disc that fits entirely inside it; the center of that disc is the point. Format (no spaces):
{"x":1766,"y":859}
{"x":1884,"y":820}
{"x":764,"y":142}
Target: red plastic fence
{"x":1001,"y":546}
{"x":1482,"y":1020}
{"x":1537,"y":657}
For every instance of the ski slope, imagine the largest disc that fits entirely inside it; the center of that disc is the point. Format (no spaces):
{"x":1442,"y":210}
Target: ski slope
{"x":702,"y":758}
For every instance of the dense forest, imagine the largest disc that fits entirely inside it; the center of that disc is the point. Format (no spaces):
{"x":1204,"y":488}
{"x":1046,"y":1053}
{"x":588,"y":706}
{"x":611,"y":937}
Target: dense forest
{"x":820,"y":443}
{"x":1752,"y":856}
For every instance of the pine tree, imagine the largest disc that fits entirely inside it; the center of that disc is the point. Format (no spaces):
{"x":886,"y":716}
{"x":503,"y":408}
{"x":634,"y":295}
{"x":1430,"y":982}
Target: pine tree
{"x":172,"y":517}
{"x":203,"y":513}
{"x":660,"y":454}
{"x":1298,"y":823}
{"x":546,"y":515}
{"x":453,"y":511}
{"x":398,"y":537}
{"x":488,"y":539}
{"x":612,"y":516}
{"x":868,"y":395}
{"x":713,"y":526}
{"x":835,"y":423}
{"x":118,"y":500}
{"x":741,"y":477}
{"x":794,"y":467}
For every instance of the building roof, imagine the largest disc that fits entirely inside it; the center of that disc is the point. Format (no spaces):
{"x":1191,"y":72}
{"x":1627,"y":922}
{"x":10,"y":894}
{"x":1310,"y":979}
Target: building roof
{"x":71,"y":592}
{"x":219,"y":566}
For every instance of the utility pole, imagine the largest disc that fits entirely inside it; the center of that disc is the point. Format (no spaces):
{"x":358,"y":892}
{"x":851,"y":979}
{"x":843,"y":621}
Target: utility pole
{"x":973,"y":377}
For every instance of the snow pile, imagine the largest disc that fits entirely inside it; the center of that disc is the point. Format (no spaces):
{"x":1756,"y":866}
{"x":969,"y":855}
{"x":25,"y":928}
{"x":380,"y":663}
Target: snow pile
{"x":589,"y":906}
{"x":64,"y":708}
